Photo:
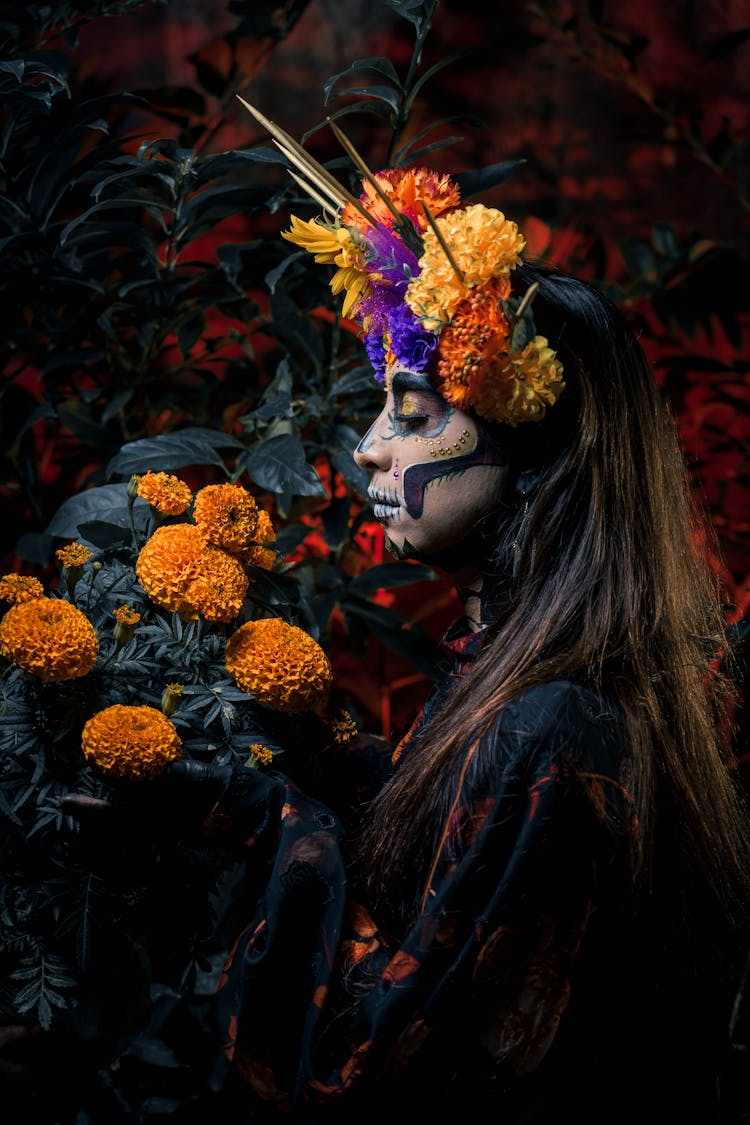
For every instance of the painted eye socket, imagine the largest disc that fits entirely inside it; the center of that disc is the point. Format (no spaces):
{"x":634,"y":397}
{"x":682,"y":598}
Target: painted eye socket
{"x":410,"y":421}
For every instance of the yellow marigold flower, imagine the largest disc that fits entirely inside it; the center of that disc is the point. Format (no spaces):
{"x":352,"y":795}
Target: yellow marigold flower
{"x":484,"y":244}
{"x":333,"y":246}
{"x":227,"y":515}
{"x":49,"y":639}
{"x":219,"y":590}
{"x":407,"y":188}
{"x":468,"y":346}
{"x":130,"y":742}
{"x":343,"y":727}
{"x":168,"y":563}
{"x":261,"y":754}
{"x":73,"y":556}
{"x":171,"y":697}
{"x":279,"y":664}
{"x":17,"y":588}
{"x":523,"y":385}
{"x":167,"y":493}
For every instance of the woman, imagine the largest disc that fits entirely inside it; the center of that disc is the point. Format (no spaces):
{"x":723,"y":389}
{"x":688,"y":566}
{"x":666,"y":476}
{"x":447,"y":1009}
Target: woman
{"x":536,"y":911}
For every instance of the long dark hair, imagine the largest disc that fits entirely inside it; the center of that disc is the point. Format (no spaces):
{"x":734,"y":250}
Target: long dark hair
{"x":599,"y":574}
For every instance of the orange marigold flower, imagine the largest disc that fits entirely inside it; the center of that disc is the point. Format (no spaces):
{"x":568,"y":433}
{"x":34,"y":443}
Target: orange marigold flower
{"x":73,"y":556}
{"x":17,"y":588}
{"x":219,"y":590}
{"x":522,"y":386}
{"x":258,"y":554}
{"x":184,"y":574}
{"x":49,"y":638}
{"x":279,"y":664}
{"x":343,"y":727}
{"x":469,"y":345}
{"x":126,"y":615}
{"x":168,"y":563}
{"x":130,"y":742}
{"x":484,"y":245}
{"x":227,"y":515}
{"x":407,"y":188}
{"x":261,"y":755}
{"x":167,"y":493}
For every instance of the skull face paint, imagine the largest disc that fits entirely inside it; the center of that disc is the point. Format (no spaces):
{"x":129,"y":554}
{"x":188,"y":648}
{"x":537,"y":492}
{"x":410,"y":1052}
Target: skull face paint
{"x":449,"y":476}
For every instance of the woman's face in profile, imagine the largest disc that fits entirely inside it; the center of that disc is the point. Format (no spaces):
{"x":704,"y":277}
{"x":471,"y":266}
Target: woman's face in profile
{"x":433,"y":476}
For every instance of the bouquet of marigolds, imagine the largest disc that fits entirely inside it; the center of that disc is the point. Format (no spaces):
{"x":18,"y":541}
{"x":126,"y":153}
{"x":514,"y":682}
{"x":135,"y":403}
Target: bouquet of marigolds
{"x":175,"y":633}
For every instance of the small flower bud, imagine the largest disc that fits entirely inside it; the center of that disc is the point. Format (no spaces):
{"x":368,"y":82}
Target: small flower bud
{"x":170,"y":700}
{"x":126,"y":620}
{"x":260,"y":755}
{"x":133,"y":485}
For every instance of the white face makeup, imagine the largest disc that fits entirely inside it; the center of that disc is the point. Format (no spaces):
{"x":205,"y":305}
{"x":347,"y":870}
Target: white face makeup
{"x":434,"y":477}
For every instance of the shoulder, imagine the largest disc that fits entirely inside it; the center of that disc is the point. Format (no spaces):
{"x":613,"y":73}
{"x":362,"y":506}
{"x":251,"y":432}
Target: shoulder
{"x":566,"y":722}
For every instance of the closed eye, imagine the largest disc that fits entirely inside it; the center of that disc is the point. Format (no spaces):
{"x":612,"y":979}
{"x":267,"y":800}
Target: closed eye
{"x":411,"y":421}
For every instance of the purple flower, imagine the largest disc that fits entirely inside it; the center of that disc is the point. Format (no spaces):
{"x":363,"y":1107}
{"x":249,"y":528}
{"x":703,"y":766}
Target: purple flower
{"x":389,"y":257}
{"x":376,"y":353}
{"x":412,"y":344}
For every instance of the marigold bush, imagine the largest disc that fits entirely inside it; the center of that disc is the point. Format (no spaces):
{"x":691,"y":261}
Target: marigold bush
{"x":279,"y":664}
{"x":49,"y":638}
{"x":132,"y":742}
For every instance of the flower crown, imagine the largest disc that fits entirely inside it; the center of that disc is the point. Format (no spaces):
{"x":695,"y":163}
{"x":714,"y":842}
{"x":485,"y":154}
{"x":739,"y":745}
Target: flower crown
{"x":428,"y":281}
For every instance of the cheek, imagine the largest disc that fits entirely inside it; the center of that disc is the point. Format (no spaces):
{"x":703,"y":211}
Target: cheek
{"x":458,"y":470}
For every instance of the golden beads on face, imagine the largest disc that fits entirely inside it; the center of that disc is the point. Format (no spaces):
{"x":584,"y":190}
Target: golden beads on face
{"x":445,"y":450}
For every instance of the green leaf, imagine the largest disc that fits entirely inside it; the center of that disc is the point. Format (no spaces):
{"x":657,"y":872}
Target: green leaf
{"x":388,"y":576}
{"x":279,"y":464}
{"x":374,"y":65}
{"x":482,"y":179}
{"x":101,"y":503}
{"x":194,"y":446}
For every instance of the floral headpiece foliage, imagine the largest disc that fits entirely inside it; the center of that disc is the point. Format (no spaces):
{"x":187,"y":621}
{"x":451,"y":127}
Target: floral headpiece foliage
{"x":428,"y":281}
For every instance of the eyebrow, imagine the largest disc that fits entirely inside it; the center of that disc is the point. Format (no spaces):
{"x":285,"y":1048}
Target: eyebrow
{"x":410,"y":381}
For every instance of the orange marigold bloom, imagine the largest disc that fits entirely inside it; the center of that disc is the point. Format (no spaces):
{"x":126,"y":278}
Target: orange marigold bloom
{"x":184,"y":574}
{"x":468,"y":346}
{"x":262,"y":755}
{"x":167,"y":493}
{"x":219,"y":590}
{"x":258,"y":554}
{"x":74,"y":555}
{"x":126,"y":615}
{"x":406,"y":188}
{"x":279,"y":664}
{"x":227,"y":515}
{"x":17,"y":588}
{"x":49,"y":638}
{"x":484,"y":245}
{"x":130,"y":742}
{"x":168,"y":563}
{"x":522,"y":386}
{"x":343,"y":727}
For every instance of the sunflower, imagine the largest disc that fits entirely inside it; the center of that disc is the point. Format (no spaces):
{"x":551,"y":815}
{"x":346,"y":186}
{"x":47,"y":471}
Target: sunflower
{"x":130,"y":741}
{"x":164,"y":492}
{"x":333,"y":246}
{"x":49,"y":638}
{"x":279,"y":664}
